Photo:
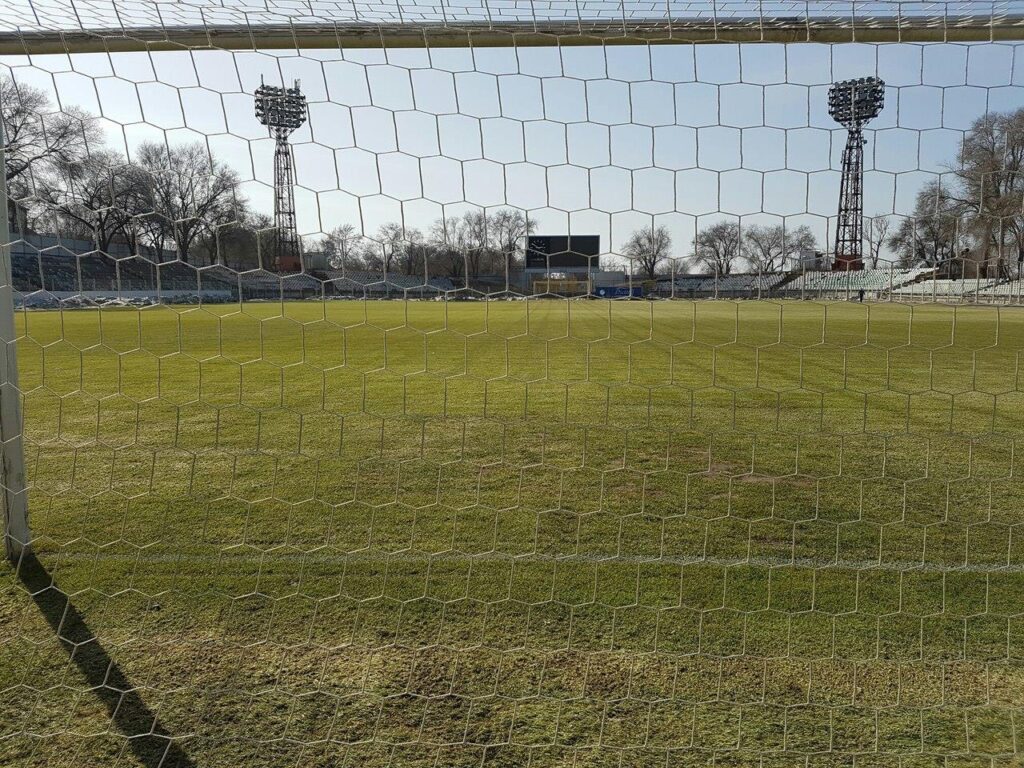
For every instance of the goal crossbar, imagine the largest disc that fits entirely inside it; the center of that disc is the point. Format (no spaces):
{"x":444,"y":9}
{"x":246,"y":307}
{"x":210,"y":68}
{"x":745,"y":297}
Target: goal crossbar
{"x":320,"y":34}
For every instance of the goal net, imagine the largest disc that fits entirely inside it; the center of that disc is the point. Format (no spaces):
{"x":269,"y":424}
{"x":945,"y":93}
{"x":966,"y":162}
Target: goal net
{"x":511,"y":383}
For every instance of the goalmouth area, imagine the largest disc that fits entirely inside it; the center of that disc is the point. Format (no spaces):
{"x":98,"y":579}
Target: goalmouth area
{"x":397,"y":500}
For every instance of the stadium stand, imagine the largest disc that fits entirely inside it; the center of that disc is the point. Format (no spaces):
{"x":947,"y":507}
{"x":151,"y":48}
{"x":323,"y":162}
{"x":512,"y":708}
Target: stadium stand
{"x":843,"y":284}
{"x":61,"y":268}
{"x":1012,"y":291}
{"x":725,"y":286}
{"x":684,"y":286}
{"x":66,"y":269}
{"x":743,"y":285}
{"x":364,"y":283}
{"x":927,"y":290}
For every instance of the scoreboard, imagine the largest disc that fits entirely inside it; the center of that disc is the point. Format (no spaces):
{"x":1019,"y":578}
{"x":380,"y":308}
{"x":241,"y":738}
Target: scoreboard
{"x":560,"y":252}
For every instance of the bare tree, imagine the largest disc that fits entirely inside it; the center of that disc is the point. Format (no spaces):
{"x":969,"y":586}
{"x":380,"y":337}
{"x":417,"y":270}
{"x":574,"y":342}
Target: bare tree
{"x":990,"y":168}
{"x":339,"y":245}
{"x":36,"y":135}
{"x":465,"y":244}
{"x":91,"y":196}
{"x":448,"y":248}
{"x":476,"y":239}
{"x":508,"y":229}
{"x":380,"y":251}
{"x":936,"y":232}
{"x":717,"y":247}
{"x":647,"y":248}
{"x":237,"y":244}
{"x":876,"y":237}
{"x":768,"y":247}
{"x":187,"y":194}
{"x":411,"y":253}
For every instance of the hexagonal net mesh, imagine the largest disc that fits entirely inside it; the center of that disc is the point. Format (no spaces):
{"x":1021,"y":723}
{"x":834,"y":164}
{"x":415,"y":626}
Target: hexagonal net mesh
{"x":502,"y":383}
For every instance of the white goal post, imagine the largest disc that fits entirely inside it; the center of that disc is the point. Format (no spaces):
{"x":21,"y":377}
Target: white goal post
{"x":324,"y":33}
{"x":534,"y":383}
{"x":13,"y":493}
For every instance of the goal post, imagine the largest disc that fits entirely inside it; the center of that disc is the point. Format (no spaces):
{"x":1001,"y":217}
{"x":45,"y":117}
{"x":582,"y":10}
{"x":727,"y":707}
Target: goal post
{"x":107,"y":28}
{"x":13,"y":493}
{"x":335,"y":458}
{"x":411,"y":26}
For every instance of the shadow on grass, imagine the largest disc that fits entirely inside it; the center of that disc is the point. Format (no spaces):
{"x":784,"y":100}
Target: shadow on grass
{"x":152,"y":745}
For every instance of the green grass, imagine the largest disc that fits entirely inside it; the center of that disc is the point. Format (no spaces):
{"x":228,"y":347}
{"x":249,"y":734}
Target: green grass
{"x":545,"y":533}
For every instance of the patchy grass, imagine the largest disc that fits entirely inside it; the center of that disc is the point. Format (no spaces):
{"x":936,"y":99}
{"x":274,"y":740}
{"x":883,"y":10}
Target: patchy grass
{"x":545,"y":533}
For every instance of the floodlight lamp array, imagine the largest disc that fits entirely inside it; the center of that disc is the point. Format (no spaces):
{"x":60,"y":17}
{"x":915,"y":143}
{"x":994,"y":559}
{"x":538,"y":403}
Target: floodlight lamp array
{"x":280,"y":108}
{"x":852,"y":103}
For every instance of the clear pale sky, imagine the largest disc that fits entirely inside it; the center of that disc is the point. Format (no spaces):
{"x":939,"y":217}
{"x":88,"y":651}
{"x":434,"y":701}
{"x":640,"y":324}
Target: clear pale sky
{"x":589,"y":140}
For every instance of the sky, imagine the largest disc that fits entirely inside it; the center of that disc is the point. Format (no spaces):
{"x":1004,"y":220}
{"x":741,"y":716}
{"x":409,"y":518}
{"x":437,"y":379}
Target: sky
{"x":587,"y":140}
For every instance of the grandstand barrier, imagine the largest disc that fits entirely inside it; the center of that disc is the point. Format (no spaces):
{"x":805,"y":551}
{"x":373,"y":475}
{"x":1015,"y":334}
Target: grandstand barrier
{"x":51,"y":299}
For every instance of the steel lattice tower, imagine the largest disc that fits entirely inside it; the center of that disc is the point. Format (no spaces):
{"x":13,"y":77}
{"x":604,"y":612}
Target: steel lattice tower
{"x":283,"y":110}
{"x":853,"y":103}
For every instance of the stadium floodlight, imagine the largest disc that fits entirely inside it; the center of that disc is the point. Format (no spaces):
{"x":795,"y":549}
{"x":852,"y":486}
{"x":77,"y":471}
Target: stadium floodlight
{"x":283,"y":110}
{"x":852,"y":104}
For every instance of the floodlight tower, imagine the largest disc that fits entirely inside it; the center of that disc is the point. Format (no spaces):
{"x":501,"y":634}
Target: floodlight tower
{"x":283,"y":110}
{"x":853,"y":103}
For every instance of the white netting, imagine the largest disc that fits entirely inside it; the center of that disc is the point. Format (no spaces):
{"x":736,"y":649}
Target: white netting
{"x":674,"y":491}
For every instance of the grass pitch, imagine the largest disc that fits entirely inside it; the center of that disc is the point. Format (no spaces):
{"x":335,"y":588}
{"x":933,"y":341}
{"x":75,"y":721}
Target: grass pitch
{"x":532,"y":533}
